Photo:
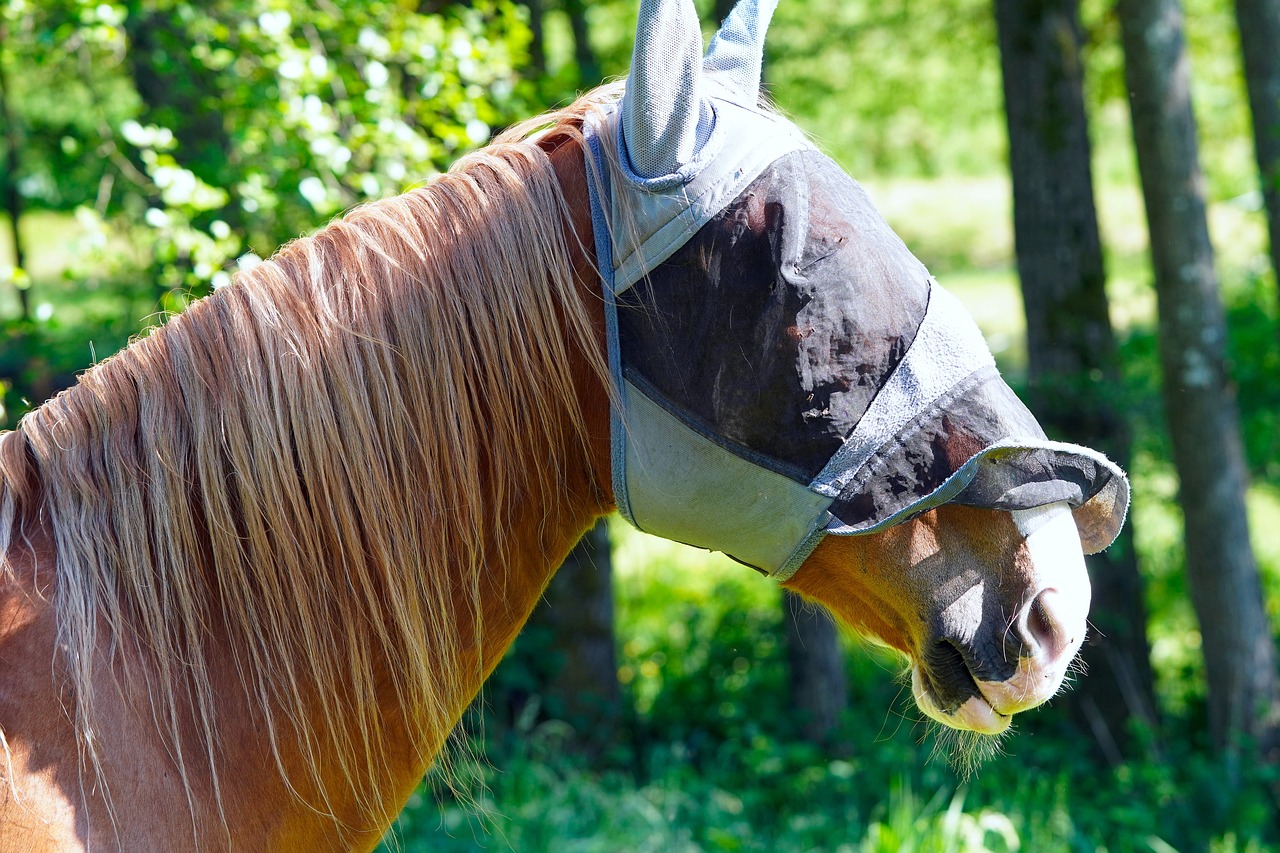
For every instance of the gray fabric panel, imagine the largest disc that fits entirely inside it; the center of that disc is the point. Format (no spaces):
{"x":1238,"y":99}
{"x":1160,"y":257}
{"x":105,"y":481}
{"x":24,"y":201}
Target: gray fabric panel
{"x":979,"y":445}
{"x":778,"y":323}
{"x":932,"y":446}
{"x":683,"y":487}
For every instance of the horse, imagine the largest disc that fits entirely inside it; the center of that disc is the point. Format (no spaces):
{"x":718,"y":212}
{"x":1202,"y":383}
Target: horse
{"x":254,"y":567}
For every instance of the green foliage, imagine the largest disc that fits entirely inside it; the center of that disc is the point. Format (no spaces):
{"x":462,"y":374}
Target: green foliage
{"x":191,"y":138}
{"x":891,"y":90}
{"x":1255,"y":364}
{"x":721,"y":608}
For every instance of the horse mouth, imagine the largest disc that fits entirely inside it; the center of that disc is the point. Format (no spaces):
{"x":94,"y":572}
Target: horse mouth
{"x":947,"y":692}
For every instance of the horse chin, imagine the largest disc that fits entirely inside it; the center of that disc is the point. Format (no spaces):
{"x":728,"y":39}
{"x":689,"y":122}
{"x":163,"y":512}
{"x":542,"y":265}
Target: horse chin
{"x":968,"y":737}
{"x":965,"y":750}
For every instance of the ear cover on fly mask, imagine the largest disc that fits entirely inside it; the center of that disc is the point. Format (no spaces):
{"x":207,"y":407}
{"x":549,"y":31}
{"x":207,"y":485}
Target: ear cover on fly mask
{"x":736,"y":54}
{"x":785,"y":368}
{"x":664,"y":118}
{"x":666,"y":121}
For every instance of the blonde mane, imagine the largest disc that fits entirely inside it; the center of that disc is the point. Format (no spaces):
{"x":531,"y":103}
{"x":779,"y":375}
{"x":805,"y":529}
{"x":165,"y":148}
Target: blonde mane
{"x":279,"y":476}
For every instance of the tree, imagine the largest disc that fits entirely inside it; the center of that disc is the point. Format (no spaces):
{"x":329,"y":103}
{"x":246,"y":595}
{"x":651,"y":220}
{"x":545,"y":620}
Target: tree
{"x":579,"y":605}
{"x":564,"y":665}
{"x":199,"y":134}
{"x":1072,"y":360}
{"x":1239,"y":654}
{"x":584,"y":54}
{"x":815,"y":669}
{"x":12,"y":196}
{"x":1259,"y":22}
{"x":9,"y":184}
{"x":556,"y":76}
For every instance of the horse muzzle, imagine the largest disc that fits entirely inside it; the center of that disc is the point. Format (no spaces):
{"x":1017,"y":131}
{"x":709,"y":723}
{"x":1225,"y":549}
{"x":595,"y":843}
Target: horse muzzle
{"x":979,"y":671}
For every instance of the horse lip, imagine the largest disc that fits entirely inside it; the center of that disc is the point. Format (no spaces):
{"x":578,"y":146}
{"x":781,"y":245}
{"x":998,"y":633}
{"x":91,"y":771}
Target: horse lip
{"x":975,"y":713}
{"x":955,"y":670}
{"x":981,"y":716}
{"x":948,"y":690}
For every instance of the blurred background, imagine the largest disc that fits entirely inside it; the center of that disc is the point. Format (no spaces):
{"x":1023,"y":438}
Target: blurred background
{"x":662,"y":698}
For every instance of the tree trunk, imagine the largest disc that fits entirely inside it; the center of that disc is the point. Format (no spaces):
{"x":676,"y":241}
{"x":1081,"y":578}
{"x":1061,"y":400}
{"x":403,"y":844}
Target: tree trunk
{"x":583,"y":53}
{"x":1200,"y":406}
{"x":816,"y":677}
{"x":565,"y":658}
{"x":12,"y":197}
{"x":1259,"y":22}
{"x":580,"y":606}
{"x":1072,"y":358}
{"x":180,"y":93}
{"x":537,"y":40}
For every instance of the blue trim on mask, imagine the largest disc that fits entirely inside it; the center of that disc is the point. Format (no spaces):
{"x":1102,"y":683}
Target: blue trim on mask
{"x":597,"y":182}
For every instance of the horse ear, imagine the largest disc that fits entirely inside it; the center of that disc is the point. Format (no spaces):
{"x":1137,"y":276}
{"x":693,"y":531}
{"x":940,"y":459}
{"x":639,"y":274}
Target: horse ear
{"x":662,"y":107}
{"x":737,"y":51}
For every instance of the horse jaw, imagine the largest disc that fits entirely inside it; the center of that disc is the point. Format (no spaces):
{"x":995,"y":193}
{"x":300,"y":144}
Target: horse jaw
{"x":1052,"y":625}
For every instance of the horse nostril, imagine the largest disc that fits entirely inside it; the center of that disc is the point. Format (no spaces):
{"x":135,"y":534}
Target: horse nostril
{"x":1043,"y":629}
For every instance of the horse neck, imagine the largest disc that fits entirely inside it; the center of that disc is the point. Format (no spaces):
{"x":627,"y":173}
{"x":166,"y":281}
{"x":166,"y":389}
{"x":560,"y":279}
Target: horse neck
{"x":534,"y":539}
{"x":537,"y":528}
{"x":537,"y":539}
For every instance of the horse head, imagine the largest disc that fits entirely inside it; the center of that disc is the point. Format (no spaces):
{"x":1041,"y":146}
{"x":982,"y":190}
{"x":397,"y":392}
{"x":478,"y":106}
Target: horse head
{"x":795,"y":390}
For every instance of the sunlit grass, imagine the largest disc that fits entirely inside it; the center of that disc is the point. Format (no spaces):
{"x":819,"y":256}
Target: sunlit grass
{"x":1263,"y":503}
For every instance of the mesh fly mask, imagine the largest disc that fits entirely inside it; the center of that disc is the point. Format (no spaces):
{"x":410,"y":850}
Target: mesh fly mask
{"x":787,"y":370}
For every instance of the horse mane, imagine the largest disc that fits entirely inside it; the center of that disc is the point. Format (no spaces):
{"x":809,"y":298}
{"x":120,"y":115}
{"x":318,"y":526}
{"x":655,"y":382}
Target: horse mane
{"x":280,"y":475}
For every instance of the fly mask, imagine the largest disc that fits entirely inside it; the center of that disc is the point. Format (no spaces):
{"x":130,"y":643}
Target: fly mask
{"x":786,"y":369}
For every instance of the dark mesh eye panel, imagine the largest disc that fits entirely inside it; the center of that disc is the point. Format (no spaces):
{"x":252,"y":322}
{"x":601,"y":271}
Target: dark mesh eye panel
{"x":777,"y":324}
